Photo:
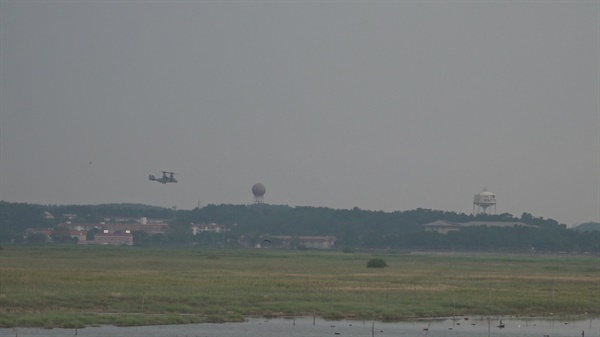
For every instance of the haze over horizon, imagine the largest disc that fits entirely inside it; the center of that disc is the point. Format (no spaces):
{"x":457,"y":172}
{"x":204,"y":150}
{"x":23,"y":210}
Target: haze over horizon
{"x":378,"y":105}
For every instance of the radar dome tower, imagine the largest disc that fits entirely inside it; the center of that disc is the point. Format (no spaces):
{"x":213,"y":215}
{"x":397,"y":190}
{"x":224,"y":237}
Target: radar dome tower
{"x":483,"y":201}
{"x":258,"y":190}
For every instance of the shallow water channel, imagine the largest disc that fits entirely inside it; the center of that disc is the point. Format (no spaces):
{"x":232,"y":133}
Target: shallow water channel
{"x":306,"y":327}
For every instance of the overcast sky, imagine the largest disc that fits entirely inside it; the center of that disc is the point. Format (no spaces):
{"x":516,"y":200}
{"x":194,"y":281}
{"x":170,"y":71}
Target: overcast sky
{"x":382,"y":105}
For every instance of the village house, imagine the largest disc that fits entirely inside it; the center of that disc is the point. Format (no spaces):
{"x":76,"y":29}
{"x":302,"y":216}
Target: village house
{"x":317,"y":242}
{"x":211,"y":227}
{"x":445,"y":226}
{"x":150,"y":228}
{"x":79,"y":235}
{"x":311,"y":242}
{"x":113,"y":239}
{"x":442,"y":226}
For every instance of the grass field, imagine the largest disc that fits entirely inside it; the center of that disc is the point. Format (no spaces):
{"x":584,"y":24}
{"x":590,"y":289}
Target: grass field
{"x":54,"y":286}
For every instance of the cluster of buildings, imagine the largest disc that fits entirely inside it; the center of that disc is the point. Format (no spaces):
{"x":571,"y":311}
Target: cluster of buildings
{"x":288,"y":241}
{"x":445,"y":226}
{"x":119,"y":232}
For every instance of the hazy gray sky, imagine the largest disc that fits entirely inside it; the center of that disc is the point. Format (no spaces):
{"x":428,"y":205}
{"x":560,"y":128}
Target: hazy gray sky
{"x":383,"y":105}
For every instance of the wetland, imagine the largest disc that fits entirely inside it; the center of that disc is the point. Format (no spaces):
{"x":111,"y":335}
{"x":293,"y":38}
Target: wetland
{"x":76,"y":287}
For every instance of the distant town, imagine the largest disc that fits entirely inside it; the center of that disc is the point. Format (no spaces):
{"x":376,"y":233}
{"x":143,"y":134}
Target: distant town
{"x":121,"y":232}
{"x":284,"y":227}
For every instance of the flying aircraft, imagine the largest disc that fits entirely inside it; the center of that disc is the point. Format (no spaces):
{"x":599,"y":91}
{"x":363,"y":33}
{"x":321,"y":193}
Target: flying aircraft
{"x":170,"y":178}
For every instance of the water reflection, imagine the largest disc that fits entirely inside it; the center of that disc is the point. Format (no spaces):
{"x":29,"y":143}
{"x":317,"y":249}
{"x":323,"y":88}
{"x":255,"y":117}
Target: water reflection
{"x":305,"y":327}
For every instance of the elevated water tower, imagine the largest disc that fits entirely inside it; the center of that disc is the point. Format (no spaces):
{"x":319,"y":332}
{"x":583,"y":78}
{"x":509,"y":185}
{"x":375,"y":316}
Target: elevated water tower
{"x":483,"y":202}
{"x":258,"y":190}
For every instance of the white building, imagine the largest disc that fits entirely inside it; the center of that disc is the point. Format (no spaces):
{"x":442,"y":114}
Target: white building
{"x":211,"y":227}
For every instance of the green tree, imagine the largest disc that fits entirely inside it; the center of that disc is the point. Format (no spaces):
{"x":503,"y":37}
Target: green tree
{"x":179,"y":231}
{"x":36,"y":238}
{"x":141,"y":238}
{"x":62,"y":235}
{"x":91,"y":234}
{"x":376,"y":263}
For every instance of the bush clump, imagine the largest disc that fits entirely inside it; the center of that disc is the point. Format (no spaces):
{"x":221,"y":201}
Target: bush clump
{"x":376,"y":263}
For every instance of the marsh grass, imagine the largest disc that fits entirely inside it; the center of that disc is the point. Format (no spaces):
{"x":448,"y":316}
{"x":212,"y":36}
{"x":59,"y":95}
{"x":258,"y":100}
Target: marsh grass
{"x":82,"y":286}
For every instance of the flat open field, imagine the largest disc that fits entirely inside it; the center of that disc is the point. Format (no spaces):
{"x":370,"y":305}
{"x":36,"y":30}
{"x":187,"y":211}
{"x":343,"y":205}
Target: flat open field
{"x":76,"y":286}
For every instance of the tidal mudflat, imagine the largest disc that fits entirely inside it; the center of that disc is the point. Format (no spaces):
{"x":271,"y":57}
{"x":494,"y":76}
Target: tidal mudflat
{"x":306,"y":327}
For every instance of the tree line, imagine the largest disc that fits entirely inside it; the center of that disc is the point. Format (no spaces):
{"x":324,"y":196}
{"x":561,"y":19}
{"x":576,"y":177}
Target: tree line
{"x":354,"y":228}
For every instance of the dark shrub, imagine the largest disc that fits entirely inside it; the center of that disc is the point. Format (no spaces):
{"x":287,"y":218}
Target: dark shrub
{"x":376,"y":263}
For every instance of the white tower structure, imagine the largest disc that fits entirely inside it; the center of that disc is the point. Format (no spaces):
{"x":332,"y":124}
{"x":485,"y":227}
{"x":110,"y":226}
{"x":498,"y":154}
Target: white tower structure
{"x":483,"y":202}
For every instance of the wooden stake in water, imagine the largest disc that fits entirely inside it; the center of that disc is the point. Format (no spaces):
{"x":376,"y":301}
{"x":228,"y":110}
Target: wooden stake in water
{"x":454,"y":313}
{"x":373,"y":327}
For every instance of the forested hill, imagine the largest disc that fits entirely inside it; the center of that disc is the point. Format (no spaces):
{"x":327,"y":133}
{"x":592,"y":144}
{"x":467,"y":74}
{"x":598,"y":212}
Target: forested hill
{"x":15,"y":218}
{"x":340,"y":222}
{"x":352,"y":227}
{"x":588,"y":227}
